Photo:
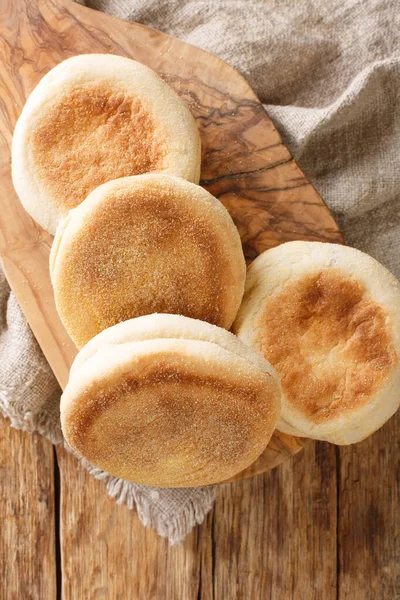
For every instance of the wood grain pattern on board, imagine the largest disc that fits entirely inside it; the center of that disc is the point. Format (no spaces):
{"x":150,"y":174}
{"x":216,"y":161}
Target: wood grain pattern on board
{"x":27,"y":540}
{"x":244,"y":162}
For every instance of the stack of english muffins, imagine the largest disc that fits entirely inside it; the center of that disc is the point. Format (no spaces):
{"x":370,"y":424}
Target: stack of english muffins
{"x":149,"y":277}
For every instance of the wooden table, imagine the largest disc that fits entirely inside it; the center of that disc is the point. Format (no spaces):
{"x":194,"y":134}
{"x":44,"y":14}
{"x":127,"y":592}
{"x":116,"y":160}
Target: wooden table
{"x":324,"y":525}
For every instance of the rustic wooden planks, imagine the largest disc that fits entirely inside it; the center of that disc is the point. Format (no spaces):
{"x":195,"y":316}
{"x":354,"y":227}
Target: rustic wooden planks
{"x":272,"y":536}
{"x":369,"y":517}
{"x":275,"y":535}
{"x":27,"y":523}
{"x":107,"y":553}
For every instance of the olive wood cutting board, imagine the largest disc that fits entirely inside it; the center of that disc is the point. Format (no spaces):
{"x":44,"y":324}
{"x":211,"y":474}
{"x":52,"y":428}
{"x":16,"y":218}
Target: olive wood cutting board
{"x":244,"y":161}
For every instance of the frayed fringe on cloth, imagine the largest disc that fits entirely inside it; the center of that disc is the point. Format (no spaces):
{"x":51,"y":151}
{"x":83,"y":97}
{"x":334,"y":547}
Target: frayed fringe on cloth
{"x":156,"y":507}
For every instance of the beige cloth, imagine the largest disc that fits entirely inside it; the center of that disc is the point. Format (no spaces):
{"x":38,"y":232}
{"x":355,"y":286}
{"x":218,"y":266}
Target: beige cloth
{"x":329,"y":74}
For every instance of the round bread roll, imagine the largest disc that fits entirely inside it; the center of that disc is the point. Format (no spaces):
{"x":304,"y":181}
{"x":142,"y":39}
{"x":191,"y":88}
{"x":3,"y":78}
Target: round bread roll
{"x":327,"y":317}
{"x":145,"y":244}
{"x":94,"y":118}
{"x":164,"y":400}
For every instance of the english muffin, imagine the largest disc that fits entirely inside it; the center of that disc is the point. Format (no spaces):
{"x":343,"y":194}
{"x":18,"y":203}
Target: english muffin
{"x":145,"y":244}
{"x":94,"y":118}
{"x":327,"y":317}
{"x":169,"y":401}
